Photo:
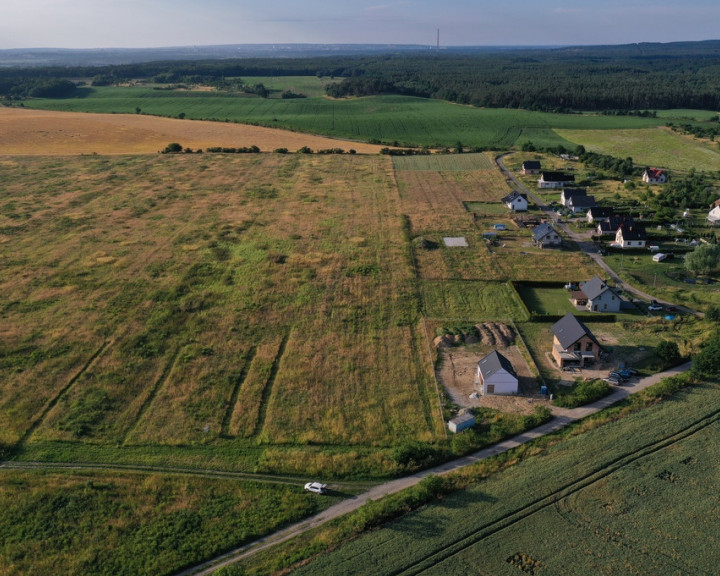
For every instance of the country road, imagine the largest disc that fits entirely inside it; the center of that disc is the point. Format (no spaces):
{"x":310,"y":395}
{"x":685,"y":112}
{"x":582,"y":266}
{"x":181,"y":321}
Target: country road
{"x":561,"y":417}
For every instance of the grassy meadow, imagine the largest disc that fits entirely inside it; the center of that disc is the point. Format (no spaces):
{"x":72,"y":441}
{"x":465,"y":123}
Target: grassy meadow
{"x":207,"y":300}
{"x":95,"y":523}
{"x":641,"y":501}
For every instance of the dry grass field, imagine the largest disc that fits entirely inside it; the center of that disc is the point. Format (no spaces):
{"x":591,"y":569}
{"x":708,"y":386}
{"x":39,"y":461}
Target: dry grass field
{"x":200,"y":299}
{"x":43,"y":132}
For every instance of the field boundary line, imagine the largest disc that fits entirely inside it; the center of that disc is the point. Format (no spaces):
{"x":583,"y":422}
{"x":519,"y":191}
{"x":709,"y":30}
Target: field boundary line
{"x":529,"y":353}
{"x":65,"y":389}
{"x":269,"y":384}
{"x":164,"y":375}
{"x":225,"y":427}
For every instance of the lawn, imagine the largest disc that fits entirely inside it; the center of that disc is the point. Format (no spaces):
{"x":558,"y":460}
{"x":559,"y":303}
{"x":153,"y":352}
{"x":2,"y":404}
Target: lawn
{"x":556,"y":301}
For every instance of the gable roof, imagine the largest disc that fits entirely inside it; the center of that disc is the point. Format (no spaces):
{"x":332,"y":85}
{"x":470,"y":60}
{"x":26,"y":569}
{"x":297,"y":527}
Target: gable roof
{"x":573,"y":192}
{"x":557,"y":177}
{"x":542,"y":230}
{"x":493,"y":363}
{"x":531,"y":165}
{"x":601,"y":211}
{"x":569,"y":330}
{"x":512,"y":197}
{"x":581,"y":201}
{"x":632,"y":231}
{"x":595,"y":287}
{"x":654,"y":172}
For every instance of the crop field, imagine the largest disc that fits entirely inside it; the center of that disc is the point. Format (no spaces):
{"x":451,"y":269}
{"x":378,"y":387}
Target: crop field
{"x":104,"y":523}
{"x":469,"y":300}
{"x":444,"y":162}
{"x":659,"y":147}
{"x":208,"y":300}
{"x":47,"y":133}
{"x":387,"y":119}
{"x":642,"y":501}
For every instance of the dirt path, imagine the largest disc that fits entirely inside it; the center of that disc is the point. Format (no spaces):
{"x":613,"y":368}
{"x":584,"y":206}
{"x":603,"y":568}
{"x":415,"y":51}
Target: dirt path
{"x":561,"y":417}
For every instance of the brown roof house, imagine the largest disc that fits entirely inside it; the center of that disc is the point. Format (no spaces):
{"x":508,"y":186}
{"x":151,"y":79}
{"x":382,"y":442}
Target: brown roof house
{"x":654,"y":176}
{"x":573,"y":343}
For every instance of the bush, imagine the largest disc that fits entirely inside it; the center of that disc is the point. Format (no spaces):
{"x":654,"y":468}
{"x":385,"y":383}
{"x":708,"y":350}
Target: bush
{"x":173,"y":148}
{"x":707,"y":362}
{"x":582,"y":392}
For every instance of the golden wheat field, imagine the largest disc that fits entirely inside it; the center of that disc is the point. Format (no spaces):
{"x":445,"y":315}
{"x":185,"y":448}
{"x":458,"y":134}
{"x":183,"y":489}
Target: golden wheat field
{"x":43,"y":132}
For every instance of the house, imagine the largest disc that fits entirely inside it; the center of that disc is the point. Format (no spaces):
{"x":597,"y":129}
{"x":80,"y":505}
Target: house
{"x":545,"y":236}
{"x":568,"y":193}
{"x":578,"y":204}
{"x":461,"y":422}
{"x":573,"y":343}
{"x":599,"y":214}
{"x":714,"y":215}
{"x":654,"y":176}
{"x":599,"y":296}
{"x":610,"y":227}
{"x":516,"y":202}
{"x":531,"y":167}
{"x":630,"y":235}
{"x":495,"y":375}
{"x":555,"y":180}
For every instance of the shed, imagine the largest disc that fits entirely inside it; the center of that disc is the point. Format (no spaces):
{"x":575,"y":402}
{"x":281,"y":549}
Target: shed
{"x":461,"y":422}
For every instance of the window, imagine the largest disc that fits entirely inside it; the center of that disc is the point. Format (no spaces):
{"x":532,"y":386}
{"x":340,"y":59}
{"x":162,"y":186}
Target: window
{"x":577,"y":347}
{"x":588,"y":347}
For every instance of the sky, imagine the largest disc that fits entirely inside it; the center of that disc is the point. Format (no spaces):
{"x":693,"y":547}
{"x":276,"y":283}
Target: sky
{"x":156,"y":23}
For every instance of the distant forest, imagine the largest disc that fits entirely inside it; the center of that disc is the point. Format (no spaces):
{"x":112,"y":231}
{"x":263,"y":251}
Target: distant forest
{"x":613,"y":79}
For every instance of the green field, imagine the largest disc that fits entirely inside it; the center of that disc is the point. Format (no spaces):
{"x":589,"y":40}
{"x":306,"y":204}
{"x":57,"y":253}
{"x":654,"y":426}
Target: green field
{"x":660,"y":147}
{"x":641,"y":501}
{"x":386,"y":119}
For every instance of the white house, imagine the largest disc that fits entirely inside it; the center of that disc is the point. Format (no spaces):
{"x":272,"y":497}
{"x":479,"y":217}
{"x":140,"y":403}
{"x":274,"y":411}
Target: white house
{"x":600,"y":296}
{"x":598,"y":214}
{"x":555,"y":180}
{"x":495,"y":375}
{"x":579,"y":204}
{"x":630,"y":235}
{"x":568,"y":193}
{"x":516,"y":202}
{"x":654,"y":176}
{"x":714,"y":215}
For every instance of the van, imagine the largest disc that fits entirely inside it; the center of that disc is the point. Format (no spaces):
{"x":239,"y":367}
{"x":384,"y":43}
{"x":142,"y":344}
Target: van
{"x":659,"y":257}
{"x":654,"y":248}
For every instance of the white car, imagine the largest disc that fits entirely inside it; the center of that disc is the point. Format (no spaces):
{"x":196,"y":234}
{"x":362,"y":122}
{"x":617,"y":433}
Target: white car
{"x":316,"y":487}
{"x":654,"y":307}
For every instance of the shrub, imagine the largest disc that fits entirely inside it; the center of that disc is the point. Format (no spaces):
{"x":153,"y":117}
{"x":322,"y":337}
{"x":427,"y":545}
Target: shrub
{"x":582,"y":392}
{"x":173,"y":148}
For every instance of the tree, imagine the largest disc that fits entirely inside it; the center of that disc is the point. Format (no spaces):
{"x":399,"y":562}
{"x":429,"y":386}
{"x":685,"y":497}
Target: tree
{"x":669,"y":352}
{"x":707,"y":362}
{"x":704,"y":259}
{"x":173,"y":148}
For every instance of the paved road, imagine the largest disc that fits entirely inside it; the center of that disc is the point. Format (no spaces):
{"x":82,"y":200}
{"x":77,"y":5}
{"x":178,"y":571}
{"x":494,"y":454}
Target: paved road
{"x":561,"y":417}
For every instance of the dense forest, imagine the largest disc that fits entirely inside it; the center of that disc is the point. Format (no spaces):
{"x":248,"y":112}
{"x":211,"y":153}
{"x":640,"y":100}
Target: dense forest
{"x":619,"y":79}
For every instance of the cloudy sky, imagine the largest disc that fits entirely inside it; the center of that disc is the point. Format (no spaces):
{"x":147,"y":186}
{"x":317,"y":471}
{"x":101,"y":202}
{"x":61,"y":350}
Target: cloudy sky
{"x":152,"y":23}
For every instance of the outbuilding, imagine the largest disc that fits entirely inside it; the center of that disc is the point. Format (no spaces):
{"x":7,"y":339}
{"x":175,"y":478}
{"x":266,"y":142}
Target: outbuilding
{"x":461,"y":422}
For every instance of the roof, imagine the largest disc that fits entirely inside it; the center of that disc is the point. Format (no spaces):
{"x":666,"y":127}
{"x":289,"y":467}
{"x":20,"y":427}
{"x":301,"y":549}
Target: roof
{"x":557,"y":177}
{"x":531,"y":165}
{"x":595,"y":287}
{"x":574,"y":192}
{"x":632,"y":231}
{"x":601,"y":211}
{"x":462,"y":418}
{"x":569,"y":330}
{"x":582,"y":201}
{"x":654,"y":172}
{"x":542,"y":230}
{"x":493,"y":363}
{"x":578,"y":295}
{"x":512,"y":197}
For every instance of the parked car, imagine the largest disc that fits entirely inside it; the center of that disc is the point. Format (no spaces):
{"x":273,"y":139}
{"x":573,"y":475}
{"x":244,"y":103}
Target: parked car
{"x":654,"y":306}
{"x":316,"y":487}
